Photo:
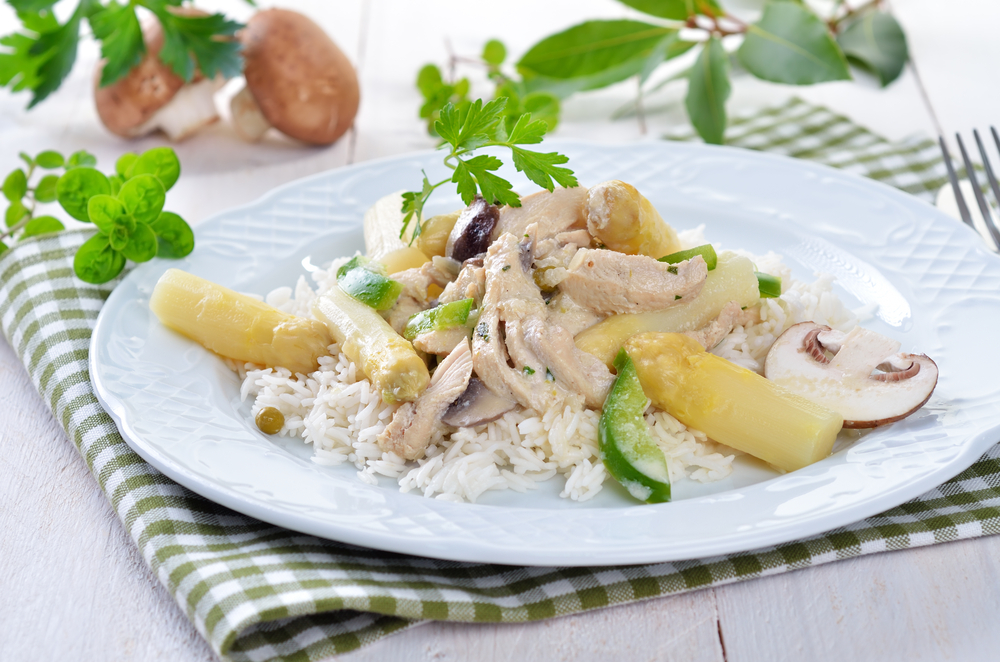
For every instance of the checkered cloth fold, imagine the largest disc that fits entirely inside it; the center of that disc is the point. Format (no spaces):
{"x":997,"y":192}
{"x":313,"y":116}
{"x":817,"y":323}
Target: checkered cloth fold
{"x":259,"y":592}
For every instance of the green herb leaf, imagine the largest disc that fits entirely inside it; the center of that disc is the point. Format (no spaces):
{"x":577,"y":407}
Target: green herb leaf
{"x":160,"y":162}
{"x":174,"y":235}
{"x":45,"y":190}
{"x":55,"y":53}
{"x":104,"y":212}
{"x":472,"y":127}
{"x":526,"y":132}
{"x":494,"y":52}
{"x":708,"y":89}
{"x":413,"y":205}
{"x":118,"y":237}
{"x":3,"y":247}
{"x":76,"y":187}
{"x":142,"y":244}
{"x":542,"y":168}
{"x":593,"y":54}
{"x":656,"y":57}
{"x":33,"y":6}
{"x":15,"y":185}
{"x":81,"y":158}
{"x":96,"y":262}
{"x":429,"y":80}
{"x":677,"y":10}
{"x":15,"y":212}
{"x":791,"y":45}
{"x":122,"y":46}
{"x":477,"y":172}
{"x":143,"y":197}
{"x":30,"y":162}
{"x":41,"y":225}
{"x":125,"y":162}
{"x":50,"y":160}
{"x":116,"y":182}
{"x":193,"y":41}
{"x":437,"y":94}
{"x":542,"y":106}
{"x":18,"y":67}
{"x":876,"y":42}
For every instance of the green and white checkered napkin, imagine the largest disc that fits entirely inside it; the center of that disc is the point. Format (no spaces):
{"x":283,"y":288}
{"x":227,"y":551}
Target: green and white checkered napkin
{"x":258,"y":592}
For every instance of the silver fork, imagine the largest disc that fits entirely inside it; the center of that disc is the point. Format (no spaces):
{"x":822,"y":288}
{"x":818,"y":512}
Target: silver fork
{"x":970,"y":172}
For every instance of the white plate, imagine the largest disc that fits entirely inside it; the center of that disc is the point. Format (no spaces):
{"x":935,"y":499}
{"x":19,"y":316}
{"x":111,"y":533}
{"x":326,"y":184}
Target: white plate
{"x":938,"y":292}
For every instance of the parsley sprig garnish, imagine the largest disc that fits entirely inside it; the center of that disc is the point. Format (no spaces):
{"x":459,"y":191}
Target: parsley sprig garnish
{"x":463,"y":131}
{"x":40,"y":56}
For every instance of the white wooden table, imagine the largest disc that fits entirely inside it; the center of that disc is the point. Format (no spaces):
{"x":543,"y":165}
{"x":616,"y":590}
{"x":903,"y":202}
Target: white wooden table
{"x":72,"y":584}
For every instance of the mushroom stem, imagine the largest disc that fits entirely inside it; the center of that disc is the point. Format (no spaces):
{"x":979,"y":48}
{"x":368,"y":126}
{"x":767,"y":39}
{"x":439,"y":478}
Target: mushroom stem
{"x":248,"y":120}
{"x":192,"y":108}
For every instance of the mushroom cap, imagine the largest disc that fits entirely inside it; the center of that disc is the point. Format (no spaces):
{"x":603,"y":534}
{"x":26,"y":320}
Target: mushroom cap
{"x":477,"y":405}
{"x":132,"y":100}
{"x":848,"y":382}
{"x":305,"y":86}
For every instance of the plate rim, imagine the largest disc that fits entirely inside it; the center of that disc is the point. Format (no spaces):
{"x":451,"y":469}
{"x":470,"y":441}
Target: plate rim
{"x":476,"y":551}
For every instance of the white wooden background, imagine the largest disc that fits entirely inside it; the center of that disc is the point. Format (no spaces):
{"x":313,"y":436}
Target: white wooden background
{"x":72,"y":585}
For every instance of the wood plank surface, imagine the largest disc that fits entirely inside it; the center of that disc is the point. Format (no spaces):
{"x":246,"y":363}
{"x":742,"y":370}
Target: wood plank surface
{"x":72,"y":584}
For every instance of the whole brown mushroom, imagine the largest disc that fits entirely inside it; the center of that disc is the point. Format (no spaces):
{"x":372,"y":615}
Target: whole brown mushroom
{"x":151,"y":96}
{"x":298,"y":81}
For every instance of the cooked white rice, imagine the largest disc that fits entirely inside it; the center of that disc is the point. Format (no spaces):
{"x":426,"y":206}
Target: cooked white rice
{"x":336,"y":409}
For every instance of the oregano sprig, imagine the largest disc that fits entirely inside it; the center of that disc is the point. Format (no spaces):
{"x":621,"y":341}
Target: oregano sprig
{"x":474,"y":126}
{"x":126,"y":207}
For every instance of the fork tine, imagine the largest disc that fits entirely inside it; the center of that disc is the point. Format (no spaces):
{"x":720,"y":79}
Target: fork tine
{"x":992,"y":179}
{"x":963,"y":209}
{"x":984,"y":207}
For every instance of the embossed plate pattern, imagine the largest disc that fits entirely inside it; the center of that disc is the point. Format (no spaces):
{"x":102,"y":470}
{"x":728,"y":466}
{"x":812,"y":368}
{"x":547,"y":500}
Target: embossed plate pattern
{"x":938,"y":292}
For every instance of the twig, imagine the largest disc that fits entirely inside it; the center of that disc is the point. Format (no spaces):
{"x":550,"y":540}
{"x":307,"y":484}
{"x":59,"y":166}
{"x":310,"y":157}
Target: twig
{"x":12,"y":230}
{"x":640,"y":112}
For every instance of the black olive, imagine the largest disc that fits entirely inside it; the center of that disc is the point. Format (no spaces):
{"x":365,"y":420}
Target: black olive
{"x":473,"y":228}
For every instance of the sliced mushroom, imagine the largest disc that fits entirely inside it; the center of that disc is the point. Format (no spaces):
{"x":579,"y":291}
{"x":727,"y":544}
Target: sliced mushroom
{"x":298,"y":81}
{"x":470,"y":235}
{"x":151,"y":96}
{"x":841,"y":374}
{"x":476,"y":406}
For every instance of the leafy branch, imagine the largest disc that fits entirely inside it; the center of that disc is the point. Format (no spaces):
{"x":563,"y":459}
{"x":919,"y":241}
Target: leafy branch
{"x":473,"y":126}
{"x":789,"y":43}
{"x":40,"y":55}
{"x":126,"y":207}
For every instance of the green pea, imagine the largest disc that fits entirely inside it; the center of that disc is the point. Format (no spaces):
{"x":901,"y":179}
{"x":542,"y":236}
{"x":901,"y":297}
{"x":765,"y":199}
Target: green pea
{"x":269,"y":420}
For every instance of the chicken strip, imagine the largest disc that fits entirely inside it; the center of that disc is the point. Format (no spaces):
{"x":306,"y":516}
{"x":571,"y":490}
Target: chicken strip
{"x":731,"y":316}
{"x":609,"y":282}
{"x":497,"y":343}
{"x":561,"y":210}
{"x":409,"y":431}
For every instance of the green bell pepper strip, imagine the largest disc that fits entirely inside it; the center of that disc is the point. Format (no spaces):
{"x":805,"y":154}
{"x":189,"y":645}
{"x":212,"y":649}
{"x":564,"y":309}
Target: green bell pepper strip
{"x":445,"y":316}
{"x":769,"y":286}
{"x":706,"y":251}
{"x":367,"y":285}
{"x":626,"y":445}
